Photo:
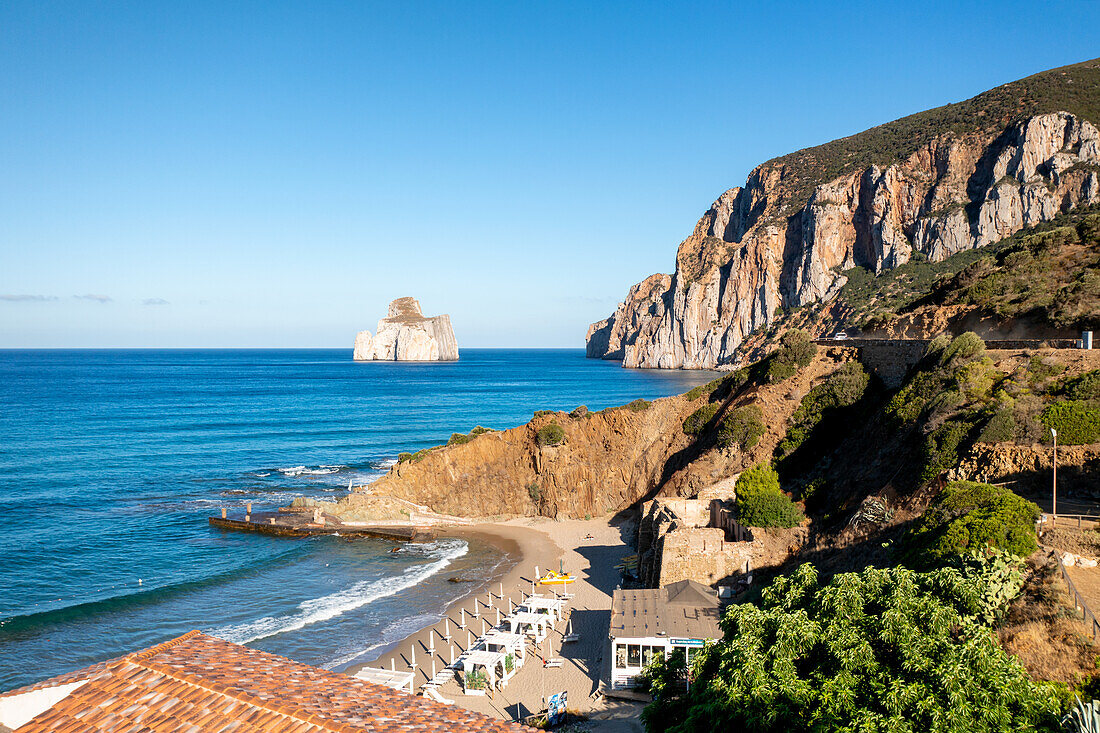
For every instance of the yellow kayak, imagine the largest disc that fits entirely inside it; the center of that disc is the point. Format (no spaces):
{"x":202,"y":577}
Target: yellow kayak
{"x":553,"y":578}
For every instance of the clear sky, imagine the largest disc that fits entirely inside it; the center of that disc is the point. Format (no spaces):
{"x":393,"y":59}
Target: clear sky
{"x":273,"y":174}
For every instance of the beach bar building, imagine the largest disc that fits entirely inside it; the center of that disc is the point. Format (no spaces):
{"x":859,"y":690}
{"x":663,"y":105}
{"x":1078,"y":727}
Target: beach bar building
{"x":655,"y":621}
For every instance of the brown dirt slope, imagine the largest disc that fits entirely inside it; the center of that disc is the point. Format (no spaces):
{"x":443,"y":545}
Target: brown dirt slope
{"x":608,"y":461}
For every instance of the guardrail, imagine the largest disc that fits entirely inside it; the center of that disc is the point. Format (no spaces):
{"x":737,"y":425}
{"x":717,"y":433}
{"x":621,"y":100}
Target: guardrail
{"x":1079,"y":603}
{"x":1081,"y":519}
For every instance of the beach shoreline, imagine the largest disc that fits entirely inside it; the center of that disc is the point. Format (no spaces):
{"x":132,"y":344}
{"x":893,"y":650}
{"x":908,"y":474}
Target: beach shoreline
{"x":524,"y":546}
{"x":589,"y":549}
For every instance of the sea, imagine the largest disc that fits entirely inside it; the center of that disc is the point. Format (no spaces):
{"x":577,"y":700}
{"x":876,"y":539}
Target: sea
{"x":111,"y":461}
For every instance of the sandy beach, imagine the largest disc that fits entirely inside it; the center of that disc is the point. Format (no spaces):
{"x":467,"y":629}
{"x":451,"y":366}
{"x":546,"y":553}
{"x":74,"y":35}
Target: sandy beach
{"x":529,"y":542}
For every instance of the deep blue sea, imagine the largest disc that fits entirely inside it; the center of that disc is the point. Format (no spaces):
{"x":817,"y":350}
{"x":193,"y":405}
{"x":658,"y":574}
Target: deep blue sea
{"x":111,"y":461}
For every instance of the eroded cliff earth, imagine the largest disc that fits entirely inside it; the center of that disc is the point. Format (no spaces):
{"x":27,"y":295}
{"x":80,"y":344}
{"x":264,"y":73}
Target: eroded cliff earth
{"x":406,"y":334}
{"x":924,"y":187}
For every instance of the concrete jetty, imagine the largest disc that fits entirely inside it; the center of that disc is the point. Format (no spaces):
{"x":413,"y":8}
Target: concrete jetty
{"x":305,"y":524}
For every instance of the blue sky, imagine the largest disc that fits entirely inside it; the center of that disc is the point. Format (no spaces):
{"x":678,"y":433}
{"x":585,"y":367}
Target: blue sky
{"x":273,"y":174}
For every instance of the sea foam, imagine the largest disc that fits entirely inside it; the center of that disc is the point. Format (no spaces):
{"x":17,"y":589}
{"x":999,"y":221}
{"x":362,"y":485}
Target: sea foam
{"x":336,"y":604}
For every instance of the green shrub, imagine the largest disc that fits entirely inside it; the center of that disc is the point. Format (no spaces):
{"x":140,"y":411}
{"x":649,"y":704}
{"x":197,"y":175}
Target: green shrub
{"x":963,"y":347}
{"x":880,"y":650}
{"x":842,"y":388}
{"x":761,"y":502}
{"x":742,"y":427}
{"x":695,"y":392}
{"x":796,"y":350}
{"x":1084,"y":387}
{"x":403,"y":457}
{"x":967,"y":516}
{"x":638,"y":405}
{"x":942,"y":448}
{"x":1040,"y":369}
{"x":697,"y":421}
{"x":478,"y":430}
{"x":540,"y":413}
{"x":780,"y":370}
{"x":1077,"y":423}
{"x":421,"y":454}
{"x":534,"y":492}
{"x":579,"y":412}
{"x":550,"y":434}
{"x":723,"y":387}
{"x":459,"y":439}
{"x":1000,"y":427}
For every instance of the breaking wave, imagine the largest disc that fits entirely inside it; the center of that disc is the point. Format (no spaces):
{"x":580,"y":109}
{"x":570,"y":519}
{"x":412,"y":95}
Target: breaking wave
{"x":336,"y":604}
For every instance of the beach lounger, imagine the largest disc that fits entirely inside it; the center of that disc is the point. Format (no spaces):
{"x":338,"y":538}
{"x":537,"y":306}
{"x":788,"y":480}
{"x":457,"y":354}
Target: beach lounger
{"x":432,"y":694}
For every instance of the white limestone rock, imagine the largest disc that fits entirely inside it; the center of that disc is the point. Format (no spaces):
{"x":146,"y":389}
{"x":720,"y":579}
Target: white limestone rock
{"x":749,"y":256}
{"x":405,"y":334}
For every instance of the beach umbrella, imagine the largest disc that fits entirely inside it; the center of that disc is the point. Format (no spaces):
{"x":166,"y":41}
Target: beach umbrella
{"x":477,"y":605}
{"x":447,"y":628}
{"x":393,"y":664}
{"x":452,"y":646}
{"x":489,"y":595}
{"x":412,"y":657}
{"x":502,"y":590}
{"x":462,"y":624}
{"x":469,"y":640}
{"x":431,"y":641}
{"x":433,"y":668}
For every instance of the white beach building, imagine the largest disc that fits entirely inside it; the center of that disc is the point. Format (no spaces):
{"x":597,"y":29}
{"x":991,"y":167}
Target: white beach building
{"x":655,"y":621}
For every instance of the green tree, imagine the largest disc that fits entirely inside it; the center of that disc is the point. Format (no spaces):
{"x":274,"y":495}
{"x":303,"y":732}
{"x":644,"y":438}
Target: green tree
{"x":761,"y":502}
{"x":882,"y":650}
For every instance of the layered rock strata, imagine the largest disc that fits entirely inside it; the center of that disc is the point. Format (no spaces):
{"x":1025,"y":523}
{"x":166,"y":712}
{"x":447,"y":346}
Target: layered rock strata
{"x":405,"y":334}
{"x":755,"y":252}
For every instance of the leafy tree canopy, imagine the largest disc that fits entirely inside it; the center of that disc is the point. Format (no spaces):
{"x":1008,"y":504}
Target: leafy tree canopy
{"x":882,"y":650}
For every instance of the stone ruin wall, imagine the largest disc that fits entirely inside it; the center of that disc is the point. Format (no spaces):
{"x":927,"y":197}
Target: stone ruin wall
{"x":691,"y":539}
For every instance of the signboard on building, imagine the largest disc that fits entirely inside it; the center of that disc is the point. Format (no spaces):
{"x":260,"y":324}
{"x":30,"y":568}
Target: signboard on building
{"x":686,"y":642}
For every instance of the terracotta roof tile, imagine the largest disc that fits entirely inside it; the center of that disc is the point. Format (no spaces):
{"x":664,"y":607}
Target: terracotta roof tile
{"x":199,"y":683}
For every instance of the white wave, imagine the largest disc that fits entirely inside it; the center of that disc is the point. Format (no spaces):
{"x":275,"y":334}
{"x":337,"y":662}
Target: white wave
{"x":260,"y":474}
{"x":336,"y":604}
{"x":387,"y":463}
{"x":292,"y":471}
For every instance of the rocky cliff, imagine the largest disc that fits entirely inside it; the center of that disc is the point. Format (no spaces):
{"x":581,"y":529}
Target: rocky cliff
{"x":605,"y":462}
{"x":405,"y":334}
{"x":929,"y":185}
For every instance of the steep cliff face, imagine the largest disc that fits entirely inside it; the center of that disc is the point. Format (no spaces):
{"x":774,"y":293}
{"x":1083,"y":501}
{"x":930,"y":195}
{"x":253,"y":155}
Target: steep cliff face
{"x":785,"y":238}
{"x":405,"y":334}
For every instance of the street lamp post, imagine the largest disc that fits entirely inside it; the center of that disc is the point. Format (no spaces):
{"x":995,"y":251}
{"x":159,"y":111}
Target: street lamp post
{"x":1054,"y":478}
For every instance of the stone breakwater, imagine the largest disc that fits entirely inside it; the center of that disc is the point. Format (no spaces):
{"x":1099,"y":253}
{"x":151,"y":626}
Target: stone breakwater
{"x":406,"y":334}
{"x":751,"y":255}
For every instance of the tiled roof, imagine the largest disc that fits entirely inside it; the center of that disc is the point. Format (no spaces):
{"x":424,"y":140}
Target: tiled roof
{"x":200,"y":683}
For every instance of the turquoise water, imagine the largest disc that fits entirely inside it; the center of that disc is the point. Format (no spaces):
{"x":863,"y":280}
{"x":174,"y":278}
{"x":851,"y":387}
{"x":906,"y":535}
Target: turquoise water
{"x":111,"y":461}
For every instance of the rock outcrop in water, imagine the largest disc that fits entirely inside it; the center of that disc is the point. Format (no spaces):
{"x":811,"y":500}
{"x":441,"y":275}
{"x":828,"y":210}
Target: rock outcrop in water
{"x":785,"y":239}
{"x":406,"y":334}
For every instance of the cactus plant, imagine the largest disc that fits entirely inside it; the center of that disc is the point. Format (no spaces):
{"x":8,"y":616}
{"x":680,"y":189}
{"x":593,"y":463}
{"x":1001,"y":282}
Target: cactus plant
{"x":1084,"y":718}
